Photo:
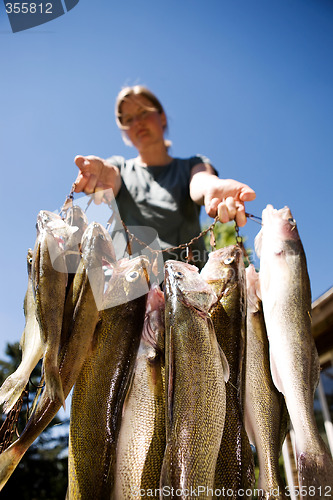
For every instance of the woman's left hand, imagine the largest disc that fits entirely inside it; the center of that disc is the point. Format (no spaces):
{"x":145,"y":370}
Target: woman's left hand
{"x":225,"y":198}
{"x":222,"y":197}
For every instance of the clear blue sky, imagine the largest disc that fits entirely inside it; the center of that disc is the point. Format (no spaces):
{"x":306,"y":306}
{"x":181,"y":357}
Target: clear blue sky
{"x":248,"y":83}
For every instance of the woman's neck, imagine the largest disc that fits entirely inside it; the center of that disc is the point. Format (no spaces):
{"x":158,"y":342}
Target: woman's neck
{"x":155,"y":157}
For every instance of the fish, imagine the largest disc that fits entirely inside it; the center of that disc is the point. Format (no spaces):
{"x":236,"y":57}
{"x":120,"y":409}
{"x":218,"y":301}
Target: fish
{"x":195,"y":374}
{"x":73,"y":353}
{"x":141,"y":442}
{"x":75,"y":217}
{"x":103,"y":382}
{"x":225,"y":273}
{"x":49,"y":287}
{"x":31,"y":346}
{"x":101,"y":252}
{"x":266,"y":415}
{"x":286,"y":299}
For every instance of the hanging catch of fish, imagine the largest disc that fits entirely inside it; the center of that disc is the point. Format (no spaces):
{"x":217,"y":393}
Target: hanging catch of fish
{"x":266,"y":416}
{"x":225,"y":273}
{"x":141,"y":441}
{"x":286,"y":300}
{"x":170,"y":387}
{"x":195,"y":376}
{"x":103,"y":382}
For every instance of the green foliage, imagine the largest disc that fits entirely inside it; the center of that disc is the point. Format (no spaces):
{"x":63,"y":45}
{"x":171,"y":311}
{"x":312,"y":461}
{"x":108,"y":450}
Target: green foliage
{"x":225,"y":235}
{"x":42,"y":472}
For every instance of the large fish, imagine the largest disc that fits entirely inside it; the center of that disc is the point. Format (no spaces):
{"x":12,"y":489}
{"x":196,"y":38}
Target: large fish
{"x":266,"y":416}
{"x":72,"y":355}
{"x":225,"y":273}
{"x":32,"y":349}
{"x":101,"y":388}
{"x":195,"y":376}
{"x":141,"y":442}
{"x":104,"y":250}
{"x":286,"y":298}
{"x":49,"y":286}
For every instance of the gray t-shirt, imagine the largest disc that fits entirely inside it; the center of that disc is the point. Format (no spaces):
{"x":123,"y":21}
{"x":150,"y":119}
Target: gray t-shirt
{"x":159,"y":197}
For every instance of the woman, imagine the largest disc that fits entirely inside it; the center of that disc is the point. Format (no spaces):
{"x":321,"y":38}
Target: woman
{"x":155,"y":189}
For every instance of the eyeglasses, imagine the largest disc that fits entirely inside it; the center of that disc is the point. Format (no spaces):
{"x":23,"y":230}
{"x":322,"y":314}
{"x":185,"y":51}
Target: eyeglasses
{"x":128,"y":120}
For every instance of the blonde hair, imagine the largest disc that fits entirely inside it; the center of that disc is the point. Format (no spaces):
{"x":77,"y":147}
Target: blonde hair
{"x":131,"y":92}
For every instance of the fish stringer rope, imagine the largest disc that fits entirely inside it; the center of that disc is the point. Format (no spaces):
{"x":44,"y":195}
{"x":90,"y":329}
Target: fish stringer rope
{"x":184,"y":246}
{"x":239,"y":242}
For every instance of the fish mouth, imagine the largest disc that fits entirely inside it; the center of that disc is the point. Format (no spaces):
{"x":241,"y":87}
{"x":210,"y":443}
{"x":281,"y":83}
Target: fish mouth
{"x":270,"y":212}
{"x":107,"y":263}
{"x":281,"y":219}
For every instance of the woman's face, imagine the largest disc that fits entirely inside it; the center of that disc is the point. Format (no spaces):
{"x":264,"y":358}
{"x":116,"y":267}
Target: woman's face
{"x":144,"y":127}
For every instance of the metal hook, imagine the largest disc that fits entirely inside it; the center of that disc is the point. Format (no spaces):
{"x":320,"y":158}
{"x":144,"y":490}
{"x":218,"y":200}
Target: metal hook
{"x":255,"y":218}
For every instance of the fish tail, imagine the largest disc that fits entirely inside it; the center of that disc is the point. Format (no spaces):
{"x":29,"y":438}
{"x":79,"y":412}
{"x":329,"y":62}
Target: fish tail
{"x":9,"y":459}
{"x":53,"y":384}
{"x":315,"y":473}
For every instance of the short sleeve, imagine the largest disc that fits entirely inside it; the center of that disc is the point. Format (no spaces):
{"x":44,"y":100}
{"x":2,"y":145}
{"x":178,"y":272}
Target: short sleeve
{"x":197,"y":159}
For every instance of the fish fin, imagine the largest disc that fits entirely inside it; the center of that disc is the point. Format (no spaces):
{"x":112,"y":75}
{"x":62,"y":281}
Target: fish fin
{"x":275,"y":374}
{"x":225,"y":364}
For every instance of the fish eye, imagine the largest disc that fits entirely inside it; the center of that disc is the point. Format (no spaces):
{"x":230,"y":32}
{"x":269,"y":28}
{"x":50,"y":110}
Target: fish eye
{"x":292,"y":221}
{"x":132,"y":276}
{"x":102,"y":236}
{"x":229,"y":260}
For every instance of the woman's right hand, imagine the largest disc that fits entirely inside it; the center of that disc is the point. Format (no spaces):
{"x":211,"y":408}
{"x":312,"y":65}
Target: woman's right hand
{"x":95,"y":176}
